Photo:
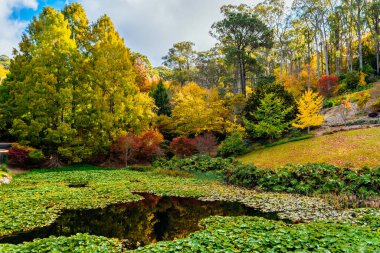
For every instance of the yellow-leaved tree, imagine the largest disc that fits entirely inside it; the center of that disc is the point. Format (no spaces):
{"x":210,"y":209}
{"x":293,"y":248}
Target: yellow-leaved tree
{"x":198,"y":110}
{"x":309,"y":107}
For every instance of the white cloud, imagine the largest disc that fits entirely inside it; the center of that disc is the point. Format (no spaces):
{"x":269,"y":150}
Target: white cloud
{"x":11,"y":30}
{"x":152,"y":26}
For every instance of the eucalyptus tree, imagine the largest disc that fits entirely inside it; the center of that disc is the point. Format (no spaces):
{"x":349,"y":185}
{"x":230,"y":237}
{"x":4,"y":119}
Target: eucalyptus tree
{"x":273,"y":14}
{"x":212,"y":71}
{"x":356,"y":8}
{"x":180,"y":59}
{"x":372,"y":12}
{"x":316,"y":12}
{"x":241,"y":32}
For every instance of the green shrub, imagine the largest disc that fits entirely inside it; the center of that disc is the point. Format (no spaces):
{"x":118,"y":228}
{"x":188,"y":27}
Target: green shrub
{"x":202,"y":163}
{"x":233,"y":145}
{"x":367,"y":69}
{"x":36,"y":155}
{"x":352,"y":79}
{"x":371,"y":78}
{"x":308,"y":179}
{"x":3,"y":168}
{"x":291,"y":139}
{"x":328,"y":103}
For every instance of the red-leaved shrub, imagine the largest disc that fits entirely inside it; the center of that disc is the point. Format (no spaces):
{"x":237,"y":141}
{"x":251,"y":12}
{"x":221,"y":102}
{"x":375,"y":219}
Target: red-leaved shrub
{"x":132,"y":148}
{"x":183,"y":147}
{"x":327,"y":85}
{"x":18,"y":155}
{"x":206,"y":144}
{"x":149,"y":146}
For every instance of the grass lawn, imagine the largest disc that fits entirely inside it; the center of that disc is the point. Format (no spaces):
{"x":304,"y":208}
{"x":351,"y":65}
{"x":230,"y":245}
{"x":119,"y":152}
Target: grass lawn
{"x":355,"y":148}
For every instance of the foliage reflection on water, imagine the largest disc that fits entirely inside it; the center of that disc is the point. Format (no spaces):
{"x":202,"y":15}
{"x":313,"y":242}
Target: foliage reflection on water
{"x":138,"y":223}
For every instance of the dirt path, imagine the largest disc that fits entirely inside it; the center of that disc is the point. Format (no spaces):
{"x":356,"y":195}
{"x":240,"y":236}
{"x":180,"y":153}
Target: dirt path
{"x":16,"y":171}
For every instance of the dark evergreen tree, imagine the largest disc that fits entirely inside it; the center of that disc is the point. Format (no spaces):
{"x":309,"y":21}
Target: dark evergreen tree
{"x":161,"y":99}
{"x":279,"y":91}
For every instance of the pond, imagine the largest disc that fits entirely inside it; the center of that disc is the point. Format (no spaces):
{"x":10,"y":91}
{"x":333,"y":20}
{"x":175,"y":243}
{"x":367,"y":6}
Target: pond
{"x":140,"y":223}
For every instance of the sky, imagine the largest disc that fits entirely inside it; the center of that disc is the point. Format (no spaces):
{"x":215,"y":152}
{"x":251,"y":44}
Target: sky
{"x":149,"y":27}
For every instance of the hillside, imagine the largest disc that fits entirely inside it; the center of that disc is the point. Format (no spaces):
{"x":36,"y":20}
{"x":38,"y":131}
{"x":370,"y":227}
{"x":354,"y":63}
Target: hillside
{"x":356,"y":148}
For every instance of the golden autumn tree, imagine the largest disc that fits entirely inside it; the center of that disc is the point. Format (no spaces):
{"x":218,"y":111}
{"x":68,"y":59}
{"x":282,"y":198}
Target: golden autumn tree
{"x":198,"y":110}
{"x":3,"y":73}
{"x":309,"y":106}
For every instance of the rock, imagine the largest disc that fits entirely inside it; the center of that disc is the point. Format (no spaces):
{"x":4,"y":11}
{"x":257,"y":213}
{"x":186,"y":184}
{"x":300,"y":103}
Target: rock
{"x":5,"y":180}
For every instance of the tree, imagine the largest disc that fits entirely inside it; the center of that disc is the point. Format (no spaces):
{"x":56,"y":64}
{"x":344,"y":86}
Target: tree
{"x":240,"y":33}
{"x":180,"y":58}
{"x":5,"y":61}
{"x":309,"y":107}
{"x":132,"y":148}
{"x":161,"y":99}
{"x":3,"y":73}
{"x":41,"y":86}
{"x":78,"y":24}
{"x":121,"y":106}
{"x":197,"y":110}
{"x":357,"y":6}
{"x":270,"y":118}
{"x":254,"y":100}
{"x":373,"y":16}
{"x":327,"y":85}
{"x":233,"y":145}
{"x":206,"y":144}
{"x":72,"y":101}
{"x":212,"y":71}
{"x":183,"y":147}
{"x":146,"y":75}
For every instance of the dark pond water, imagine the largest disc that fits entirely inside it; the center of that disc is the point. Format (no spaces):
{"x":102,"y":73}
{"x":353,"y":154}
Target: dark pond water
{"x":147,"y":221}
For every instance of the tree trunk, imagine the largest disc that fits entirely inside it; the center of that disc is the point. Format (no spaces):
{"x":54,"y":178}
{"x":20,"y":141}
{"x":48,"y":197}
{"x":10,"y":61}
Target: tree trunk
{"x":316,"y":51}
{"x":54,"y":162}
{"x":308,"y":66}
{"x":237,"y":78}
{"x":281,"y":60}
{"x":377,"y":58}
{"x":326,"y":58}
{"x":359,"y":36}
{"x":243,"y":78}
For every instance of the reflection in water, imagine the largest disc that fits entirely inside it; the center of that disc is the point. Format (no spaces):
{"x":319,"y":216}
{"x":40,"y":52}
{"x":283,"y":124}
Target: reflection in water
{"x":143,"y":222}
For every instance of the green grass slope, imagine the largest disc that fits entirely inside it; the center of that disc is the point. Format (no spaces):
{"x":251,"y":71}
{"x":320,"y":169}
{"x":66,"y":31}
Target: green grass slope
{"x":356,"y":148}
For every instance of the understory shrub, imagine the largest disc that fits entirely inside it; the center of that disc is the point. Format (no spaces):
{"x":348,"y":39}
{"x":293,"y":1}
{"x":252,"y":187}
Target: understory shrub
{"x":312,"y":178}
{"x":137,"y":149}
{"x":24,"y":156}
{"x":327,"y":85}
{"x":233,"y":145}
{"x":308,"y":179}
{"x":202,"y":163}
{"x":352,"y":79}
{"x":183,"y":147}
{"x":331,"y":102}
{"x":206,"y":144}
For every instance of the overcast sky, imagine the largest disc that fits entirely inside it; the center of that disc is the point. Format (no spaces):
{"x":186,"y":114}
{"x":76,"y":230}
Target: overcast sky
{"x":150,"y":27}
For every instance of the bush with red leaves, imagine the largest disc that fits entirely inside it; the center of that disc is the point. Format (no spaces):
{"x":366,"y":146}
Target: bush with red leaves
{"x":132,"y":149}
{"x":183,"y":147}
{"x":18,"y":155}
{"x":328,"y":85}
{"x":206,"y":144}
